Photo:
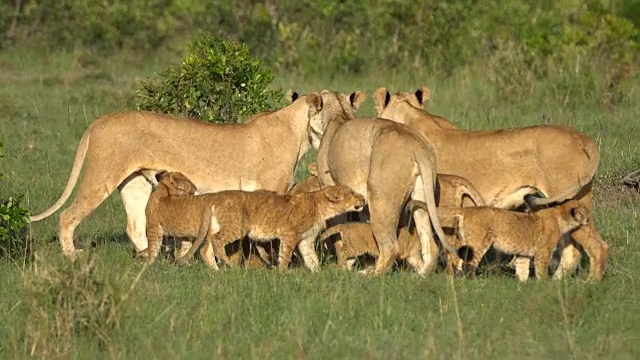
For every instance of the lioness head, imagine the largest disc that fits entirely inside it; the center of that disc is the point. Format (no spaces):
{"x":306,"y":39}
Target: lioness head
{"x":176,"y":183}
{"x":314,"y":129}
{"x":341,"y":199}
{"x":389,"y":106}
{"x":332,"y":105}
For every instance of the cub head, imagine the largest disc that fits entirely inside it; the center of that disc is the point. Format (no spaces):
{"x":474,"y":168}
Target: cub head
{"x":575,"y":215}
{"x":341,"y":199}
{"x":176,"y":183}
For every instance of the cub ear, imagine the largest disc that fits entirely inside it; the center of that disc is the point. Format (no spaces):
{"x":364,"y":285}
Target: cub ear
{"x":314,"y":100}
{"x":313,"y":169}
{"x":161,"y":174}
{"x":333,"y":194}
{"x":423,"y":94}
{"x":579,"y":214}
{"x":381,"y":99}
{"x":292,"y":95}
{"x":357,"y":98}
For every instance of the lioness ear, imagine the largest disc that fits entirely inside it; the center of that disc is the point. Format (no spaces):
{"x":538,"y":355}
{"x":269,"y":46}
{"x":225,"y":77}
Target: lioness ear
{"x":333,"y":195}
{"x":161,"y":174}
{"x":381,"y":99}
{"x":423,"y":94}
{"x":292,"y":95}
{"x":357,"y":98}
{"x":313,"y":169}
{"x":315,"y":100}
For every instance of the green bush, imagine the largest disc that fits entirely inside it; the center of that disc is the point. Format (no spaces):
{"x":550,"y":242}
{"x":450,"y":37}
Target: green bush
{"x":13,"y":222}
{"x":217,"y":81}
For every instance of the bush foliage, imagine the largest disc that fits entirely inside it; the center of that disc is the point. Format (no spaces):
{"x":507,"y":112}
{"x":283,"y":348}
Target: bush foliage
{"x":13,"y":222}
{"x":217,"y":81}
{"x":582,"y":50}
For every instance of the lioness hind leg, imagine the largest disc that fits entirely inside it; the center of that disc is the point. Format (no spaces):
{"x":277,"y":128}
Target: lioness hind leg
{"x":88,"y":198}
{"x":135,"y":192}
{"x":385,"y":214}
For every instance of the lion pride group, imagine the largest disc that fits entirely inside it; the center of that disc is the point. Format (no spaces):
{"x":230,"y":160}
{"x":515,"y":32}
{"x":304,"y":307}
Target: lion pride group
{"x":404,"y":186}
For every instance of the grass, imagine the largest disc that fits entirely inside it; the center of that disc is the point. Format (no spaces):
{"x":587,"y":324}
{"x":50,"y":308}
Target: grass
{"x":46,"y":102}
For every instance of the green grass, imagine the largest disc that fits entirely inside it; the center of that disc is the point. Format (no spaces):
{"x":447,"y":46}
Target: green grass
{"x":46,"y":103}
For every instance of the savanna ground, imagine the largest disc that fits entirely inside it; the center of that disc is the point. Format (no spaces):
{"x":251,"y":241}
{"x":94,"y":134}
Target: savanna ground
{"x":165,"y":311}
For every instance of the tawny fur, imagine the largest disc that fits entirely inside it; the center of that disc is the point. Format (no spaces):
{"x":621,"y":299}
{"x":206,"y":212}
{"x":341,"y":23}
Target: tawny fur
{"x":263,"y":216}
{"x":507,"y":165}
{"x":454,"y":190}
{"x":125,"y":150}
{"x":534,"y":235}
{"x":387,"y":163}
{"x":311,"y":183}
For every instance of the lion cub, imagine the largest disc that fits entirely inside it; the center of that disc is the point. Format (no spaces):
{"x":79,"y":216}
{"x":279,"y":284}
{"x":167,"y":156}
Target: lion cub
{"x":534,"y":234}
{"x":226,"y":216}
{"x":356,"y":239}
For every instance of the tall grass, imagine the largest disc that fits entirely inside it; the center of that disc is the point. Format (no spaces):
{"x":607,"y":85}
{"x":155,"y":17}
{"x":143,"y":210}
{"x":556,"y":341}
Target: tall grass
{"x":111,"y":306}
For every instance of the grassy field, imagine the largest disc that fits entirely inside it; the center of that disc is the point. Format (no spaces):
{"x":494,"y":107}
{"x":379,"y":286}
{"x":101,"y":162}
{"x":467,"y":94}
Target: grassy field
{"x":121,"y":308}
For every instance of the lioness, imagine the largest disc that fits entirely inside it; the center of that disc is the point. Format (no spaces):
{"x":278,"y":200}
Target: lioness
{"x":385,"y":162}
{"x":264,"y":216}
{"x":541,"y":165}
{"x":125,"y":150}
{"x":534,"y":234}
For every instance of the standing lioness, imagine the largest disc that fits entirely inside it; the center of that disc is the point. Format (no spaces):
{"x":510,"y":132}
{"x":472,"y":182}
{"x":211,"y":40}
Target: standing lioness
{"x":124,"y":151}
{"x":385,"y":162}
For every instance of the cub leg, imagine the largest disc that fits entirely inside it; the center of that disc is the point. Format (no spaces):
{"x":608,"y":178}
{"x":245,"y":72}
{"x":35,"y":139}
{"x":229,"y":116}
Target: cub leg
{"x":207,"y":254}
{"x":287,"y":244}
{"x":541,"y":262}
{"x":341,"y":256}
{"x":522,"y":267}
{"x":309,"y":255}
{"x":154,"y":234}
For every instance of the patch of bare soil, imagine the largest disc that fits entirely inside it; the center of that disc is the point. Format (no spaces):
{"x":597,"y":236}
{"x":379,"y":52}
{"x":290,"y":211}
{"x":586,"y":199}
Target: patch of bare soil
{"x":619,"y":192}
